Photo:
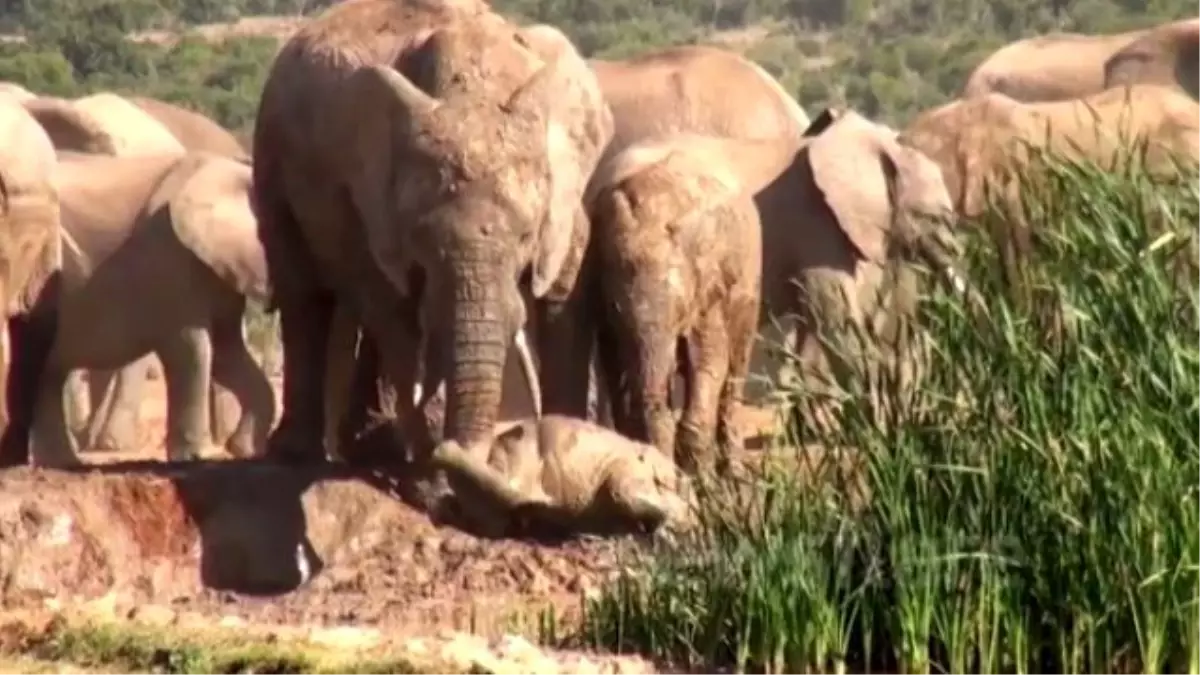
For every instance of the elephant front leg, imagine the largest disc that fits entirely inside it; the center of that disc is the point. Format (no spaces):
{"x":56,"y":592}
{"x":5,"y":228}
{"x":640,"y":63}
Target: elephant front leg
{"x":31,"y":339}
{"x":305,"y":322}
{"x":234,"y":368}
{"x":187,"y":360}
{"x":51,"y":445}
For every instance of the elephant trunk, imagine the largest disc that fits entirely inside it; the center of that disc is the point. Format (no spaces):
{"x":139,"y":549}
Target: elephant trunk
{"x":941,"y":251}
{"x":483,"y":326}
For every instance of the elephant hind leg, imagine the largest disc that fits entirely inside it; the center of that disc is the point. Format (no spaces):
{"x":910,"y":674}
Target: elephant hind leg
{"x":117,"y":405}
{"x":33,"y":386}
{"x":187,"y":359}
{"x":705,"y":374}
{"x":741,"y":350}
{"x":235,"y":369}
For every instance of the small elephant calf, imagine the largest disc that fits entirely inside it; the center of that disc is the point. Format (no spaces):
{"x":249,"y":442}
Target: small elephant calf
{"x":160,"y":254}
{"x":679,"y":253}
{"x":562,"y":476}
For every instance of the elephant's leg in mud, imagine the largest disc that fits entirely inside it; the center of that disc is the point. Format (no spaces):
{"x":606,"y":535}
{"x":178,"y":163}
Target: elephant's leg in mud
{"x":742,"y":324}
{"x":235,"y":369}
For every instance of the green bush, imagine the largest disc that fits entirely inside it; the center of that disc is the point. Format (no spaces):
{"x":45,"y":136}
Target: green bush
{"x":1036,"y":511}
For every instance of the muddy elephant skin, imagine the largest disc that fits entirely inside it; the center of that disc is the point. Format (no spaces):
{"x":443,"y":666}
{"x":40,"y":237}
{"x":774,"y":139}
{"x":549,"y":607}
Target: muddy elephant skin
{"x":30,"y":260}
{"x":562,"y":477}
{"x":679,"y":251}
{"x":1166,"y":55}
{"x":160,"y":255}
{"x":419,"y":160}
{"x":1054,"y":67}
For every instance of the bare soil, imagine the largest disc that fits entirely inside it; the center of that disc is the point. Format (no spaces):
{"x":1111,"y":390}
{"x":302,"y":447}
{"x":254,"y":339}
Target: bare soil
{"x":274,"y":544}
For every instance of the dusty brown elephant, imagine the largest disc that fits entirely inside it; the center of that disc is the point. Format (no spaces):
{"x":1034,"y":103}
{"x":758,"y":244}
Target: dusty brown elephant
{"x":30,"y":257}
{"x":160,"y":255}
{"x":421,"y":161}
{"x":679,"y":258}
{"x":101,"y":123}
{"x":973,"y":140}
{"x":1166,"y":55}
{"x":1054,"y":67}
{"x":116,"y":396}
{"x":842,"y":226}
{"x":684,"y":89}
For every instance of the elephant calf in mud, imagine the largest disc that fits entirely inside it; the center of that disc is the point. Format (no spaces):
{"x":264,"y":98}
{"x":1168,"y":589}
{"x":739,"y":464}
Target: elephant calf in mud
{"x":678,"y":245}
{"x":160,"y":254}
{"x":561,"y":476}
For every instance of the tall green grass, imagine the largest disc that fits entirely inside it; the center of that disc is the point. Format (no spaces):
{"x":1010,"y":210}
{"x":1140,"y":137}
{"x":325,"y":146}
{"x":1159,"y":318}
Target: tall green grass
{"x":1034,"y":508}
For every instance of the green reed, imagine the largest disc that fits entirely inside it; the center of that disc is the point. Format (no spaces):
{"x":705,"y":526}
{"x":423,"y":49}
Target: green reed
{"x":1031,"y":507}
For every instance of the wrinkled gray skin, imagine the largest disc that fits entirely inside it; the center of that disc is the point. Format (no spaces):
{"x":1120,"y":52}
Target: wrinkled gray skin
{"x":841,"y":227}
{"x":562,"y":476}
{"x":679,"y":257}
{"x":419,"y":161}
{"x":160,"y":254}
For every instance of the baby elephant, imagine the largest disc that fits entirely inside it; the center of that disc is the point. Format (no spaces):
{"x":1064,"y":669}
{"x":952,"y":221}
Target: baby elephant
{"x":159,"y":255}
{"x":561,"y":476}
{"x":679,"y":253}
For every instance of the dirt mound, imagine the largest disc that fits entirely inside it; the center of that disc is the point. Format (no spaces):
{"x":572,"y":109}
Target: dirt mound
{"x":271,"y":543}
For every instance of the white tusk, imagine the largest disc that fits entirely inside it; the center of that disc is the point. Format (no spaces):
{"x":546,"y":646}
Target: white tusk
{"x":956,"y":280}
{"x":417,"y":391}
{"x":530,"y":371}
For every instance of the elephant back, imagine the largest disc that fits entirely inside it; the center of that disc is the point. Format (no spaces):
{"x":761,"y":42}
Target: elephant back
{"x":102,"y":123}
{"x":696,"y":89}
{"x":193,"y":130}
{"x":1166,"y":55}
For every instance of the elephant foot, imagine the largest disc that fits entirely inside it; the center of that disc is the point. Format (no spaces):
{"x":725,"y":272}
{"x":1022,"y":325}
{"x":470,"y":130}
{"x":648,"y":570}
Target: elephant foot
{"x":291,"y":444}
{"x":190,"y":452}
{"x":56,"y":460}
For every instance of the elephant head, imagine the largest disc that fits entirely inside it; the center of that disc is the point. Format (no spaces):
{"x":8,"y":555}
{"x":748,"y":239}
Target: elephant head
{"x":888,"y":198}
{"x":103,"y":123}
{"x":468,"y":193}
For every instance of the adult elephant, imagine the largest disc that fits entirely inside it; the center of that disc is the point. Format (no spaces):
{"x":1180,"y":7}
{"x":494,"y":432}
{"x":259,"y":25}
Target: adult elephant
{"x":1166,"y":55}
{"x":419,"y":161}
{"x":30,"y":260}
{"x":979,"y":142}
{"x":116,"y":396}
{"x":105,"y":411}
{"x":159,"y":255}
{"x":1055,"y":67}
{"x":843,"y":226}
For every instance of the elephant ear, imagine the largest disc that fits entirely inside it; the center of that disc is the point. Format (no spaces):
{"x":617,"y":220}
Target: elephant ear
{"x":69,"y":128}
{"x":567,"y":96}
{"x":851,"y":171}
{"x":212,"y":217}
{"x":382,"y":106}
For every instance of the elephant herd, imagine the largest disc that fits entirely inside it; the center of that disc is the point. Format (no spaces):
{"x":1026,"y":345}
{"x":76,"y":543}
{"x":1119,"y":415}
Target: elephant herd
{"x":437,"y":193}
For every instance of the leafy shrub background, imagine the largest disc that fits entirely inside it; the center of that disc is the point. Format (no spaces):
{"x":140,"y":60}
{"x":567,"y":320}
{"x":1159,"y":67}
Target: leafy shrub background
{"x":887,"y":58}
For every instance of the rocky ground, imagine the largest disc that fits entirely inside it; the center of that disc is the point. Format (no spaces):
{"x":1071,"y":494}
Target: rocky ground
{"x":259,"y":544}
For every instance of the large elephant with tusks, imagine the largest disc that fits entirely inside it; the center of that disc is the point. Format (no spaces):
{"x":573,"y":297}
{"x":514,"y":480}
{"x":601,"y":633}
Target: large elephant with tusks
{"x":423,"y":162}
